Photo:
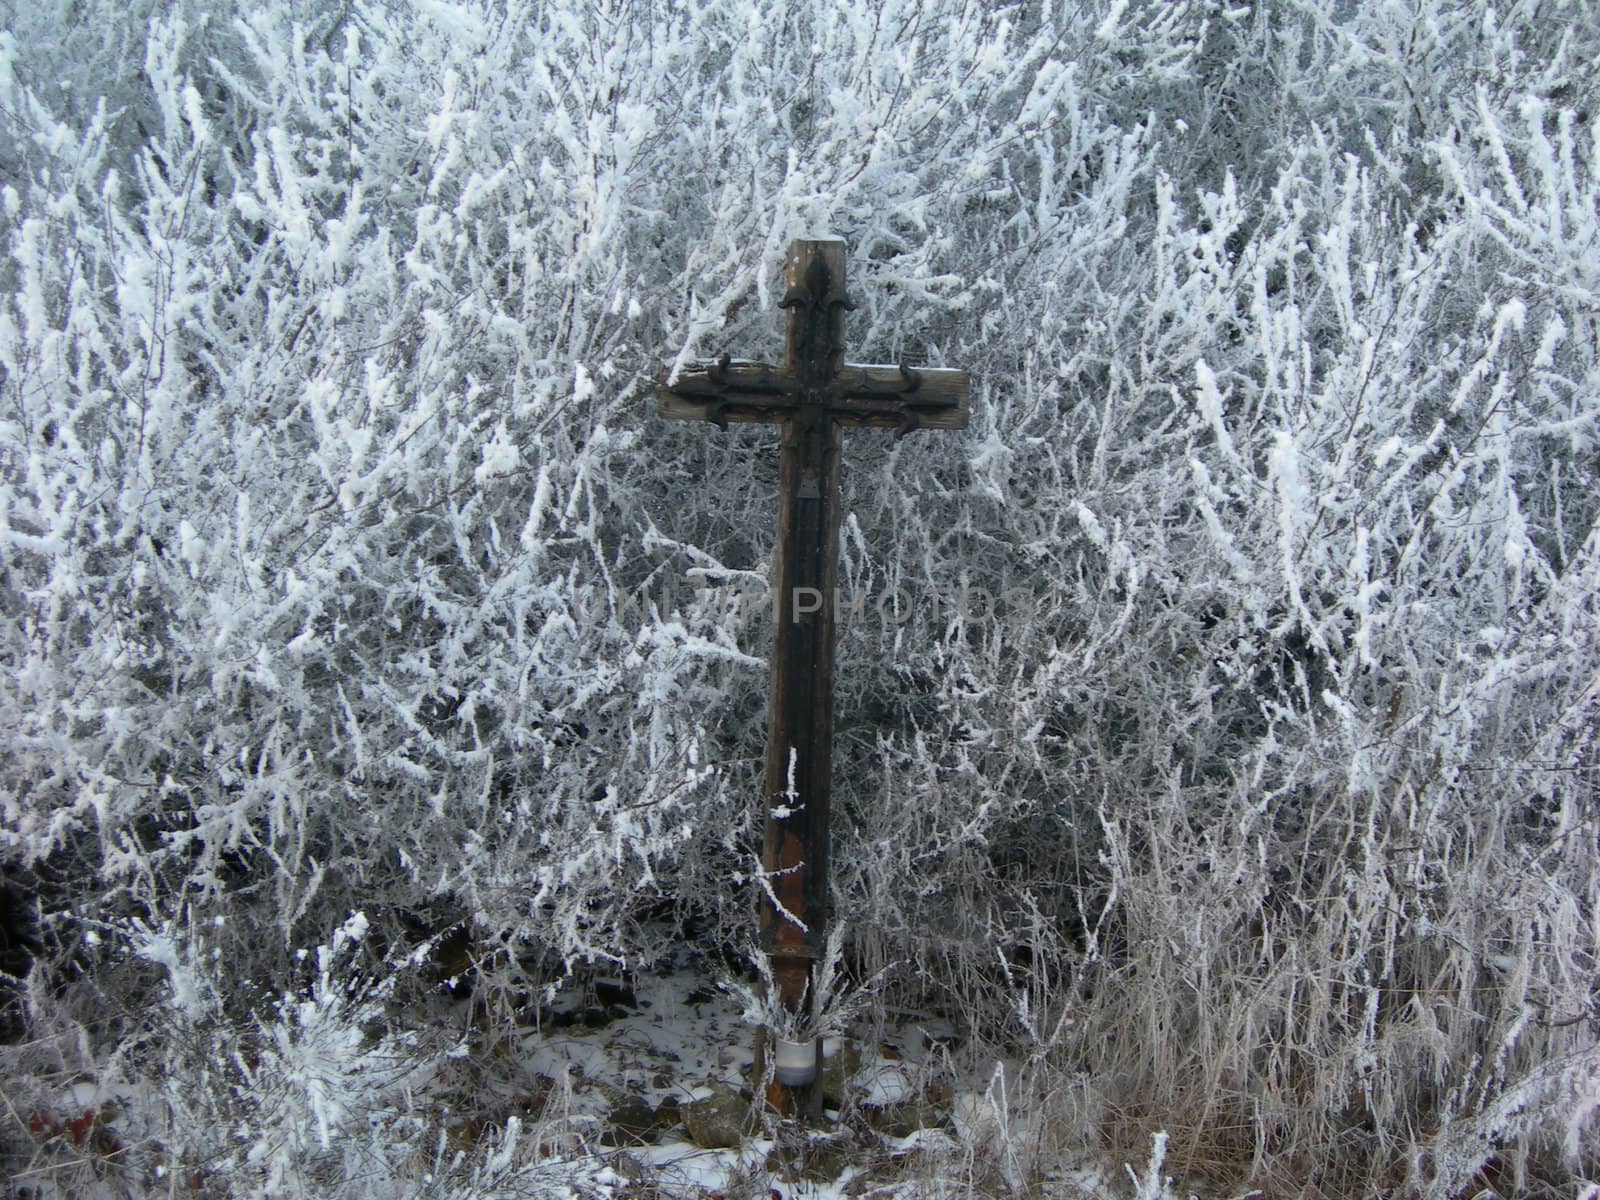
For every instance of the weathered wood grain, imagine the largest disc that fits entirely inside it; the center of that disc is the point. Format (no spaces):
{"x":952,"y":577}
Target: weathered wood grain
{"x":814,"y":394}
{"x":941,"y":400}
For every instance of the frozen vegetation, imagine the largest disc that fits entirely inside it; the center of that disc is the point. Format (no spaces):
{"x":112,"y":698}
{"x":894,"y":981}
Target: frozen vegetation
{"x":361,"y":628}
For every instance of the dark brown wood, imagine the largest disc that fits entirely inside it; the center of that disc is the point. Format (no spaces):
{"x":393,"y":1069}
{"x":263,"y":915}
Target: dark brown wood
{"x":693,"y":396}
{"x":894,"y":396}
{"x":812,"y":395}
{"x":800,"y":717}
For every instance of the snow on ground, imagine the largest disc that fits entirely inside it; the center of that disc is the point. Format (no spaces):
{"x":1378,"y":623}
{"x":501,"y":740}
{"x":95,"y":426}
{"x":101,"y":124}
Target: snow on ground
{"x":673,"y":1037}
{"x":586,"y":1102}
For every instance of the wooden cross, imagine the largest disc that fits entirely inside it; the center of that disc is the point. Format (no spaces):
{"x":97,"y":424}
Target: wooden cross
{"x":812,"y":396}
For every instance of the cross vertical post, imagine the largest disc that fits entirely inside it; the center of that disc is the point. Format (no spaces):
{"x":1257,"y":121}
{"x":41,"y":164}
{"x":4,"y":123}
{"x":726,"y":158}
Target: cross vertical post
{"x":812,"y":395}
{"x":800,"y":696}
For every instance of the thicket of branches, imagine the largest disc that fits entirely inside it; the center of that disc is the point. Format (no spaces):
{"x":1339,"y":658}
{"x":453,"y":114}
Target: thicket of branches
{"x":346,"y":569}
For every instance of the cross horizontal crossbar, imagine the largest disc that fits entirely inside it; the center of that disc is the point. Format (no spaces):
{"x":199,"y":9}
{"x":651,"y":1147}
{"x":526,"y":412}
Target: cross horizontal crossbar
{"x":878,"y":396}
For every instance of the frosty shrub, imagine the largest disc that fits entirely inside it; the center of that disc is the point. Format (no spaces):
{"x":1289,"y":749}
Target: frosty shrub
{"x":343,"y":567}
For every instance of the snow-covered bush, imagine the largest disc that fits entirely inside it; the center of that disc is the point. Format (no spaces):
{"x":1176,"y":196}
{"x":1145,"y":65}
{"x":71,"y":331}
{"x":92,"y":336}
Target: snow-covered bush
{"x":345,"y":568}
